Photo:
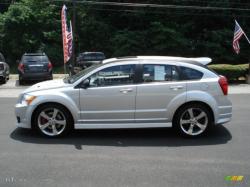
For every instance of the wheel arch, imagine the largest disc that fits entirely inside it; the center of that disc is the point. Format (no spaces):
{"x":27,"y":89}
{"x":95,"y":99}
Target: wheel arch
{"x":195,"y":102}
{"x":46,"y":103}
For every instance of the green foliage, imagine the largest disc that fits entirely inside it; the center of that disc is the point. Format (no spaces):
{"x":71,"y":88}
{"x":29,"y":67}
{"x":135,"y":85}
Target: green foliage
{"x":32,"y":25}
{"x":232,"y":72}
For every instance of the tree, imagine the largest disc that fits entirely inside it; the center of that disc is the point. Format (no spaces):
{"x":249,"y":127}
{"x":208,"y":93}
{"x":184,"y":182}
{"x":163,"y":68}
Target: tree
{"x":31,"y":25}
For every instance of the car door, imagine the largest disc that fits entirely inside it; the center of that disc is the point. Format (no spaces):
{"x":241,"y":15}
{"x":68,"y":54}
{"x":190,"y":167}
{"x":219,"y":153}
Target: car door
{"x":160,"y":86}
{"x":110,"y":97}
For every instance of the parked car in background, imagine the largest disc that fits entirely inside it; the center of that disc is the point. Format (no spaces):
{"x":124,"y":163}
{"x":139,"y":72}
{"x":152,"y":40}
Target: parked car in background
{"x":34,"y":66}
{"x":4,"y":70}
{"x":87,"y":59}
{"x":136,"y":92}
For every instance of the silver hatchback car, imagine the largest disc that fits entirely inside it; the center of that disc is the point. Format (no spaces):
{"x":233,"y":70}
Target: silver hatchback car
{"x":129,"y":92}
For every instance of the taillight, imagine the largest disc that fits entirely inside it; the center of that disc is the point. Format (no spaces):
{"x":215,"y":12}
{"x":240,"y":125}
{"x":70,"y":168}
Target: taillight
{"x":223,"y":84}
{"x":21,"y":67}
{"x":50,"y":66}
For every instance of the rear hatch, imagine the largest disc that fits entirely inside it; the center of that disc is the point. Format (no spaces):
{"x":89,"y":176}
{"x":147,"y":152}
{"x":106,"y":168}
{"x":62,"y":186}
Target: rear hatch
{"x":35,"y":64}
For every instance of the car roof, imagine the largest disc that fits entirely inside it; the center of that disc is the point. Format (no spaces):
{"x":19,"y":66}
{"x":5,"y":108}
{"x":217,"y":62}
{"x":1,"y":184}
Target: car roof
{"x":195,"y":61}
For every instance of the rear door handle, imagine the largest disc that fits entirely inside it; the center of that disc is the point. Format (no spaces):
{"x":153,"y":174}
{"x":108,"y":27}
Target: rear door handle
{"x":126,"y":90}
{"x":176,"y":87}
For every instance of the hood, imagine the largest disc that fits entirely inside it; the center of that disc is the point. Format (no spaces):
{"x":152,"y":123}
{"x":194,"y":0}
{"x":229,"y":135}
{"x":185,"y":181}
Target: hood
{"x":47,"y":85}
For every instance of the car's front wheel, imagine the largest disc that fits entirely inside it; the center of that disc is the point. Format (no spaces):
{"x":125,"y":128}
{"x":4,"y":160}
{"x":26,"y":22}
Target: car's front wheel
{"x":53,"y":120}
{"x":193,"y":120}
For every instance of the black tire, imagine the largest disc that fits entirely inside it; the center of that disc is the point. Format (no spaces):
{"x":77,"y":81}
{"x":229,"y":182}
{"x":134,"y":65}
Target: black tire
{"x":21,"y":81}
{"x":182,"y":116}
{"x":4,"y":81}
{"x":50,"y":78}
{"x":64,"y":114}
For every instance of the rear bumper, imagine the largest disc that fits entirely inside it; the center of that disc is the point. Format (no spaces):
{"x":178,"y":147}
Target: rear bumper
{"x":3,"y":78}
{"x":36,"y":76}
{"x":224,"y":114}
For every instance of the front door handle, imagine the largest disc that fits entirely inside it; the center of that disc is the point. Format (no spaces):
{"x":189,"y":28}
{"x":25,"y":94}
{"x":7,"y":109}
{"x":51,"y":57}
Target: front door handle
{"x":126,"y":90}
{"x":176,"y":87}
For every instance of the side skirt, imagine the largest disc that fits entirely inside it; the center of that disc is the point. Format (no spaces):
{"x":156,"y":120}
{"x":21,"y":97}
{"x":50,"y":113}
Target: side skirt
{"x":120,"y":125}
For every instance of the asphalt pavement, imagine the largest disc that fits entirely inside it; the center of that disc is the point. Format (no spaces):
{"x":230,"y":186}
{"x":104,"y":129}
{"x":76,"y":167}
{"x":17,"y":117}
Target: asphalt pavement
{"x":114,"y":158}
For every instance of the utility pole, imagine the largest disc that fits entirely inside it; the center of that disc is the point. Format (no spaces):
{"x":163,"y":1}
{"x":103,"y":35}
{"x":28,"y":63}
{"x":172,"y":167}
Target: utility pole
{"x":74,"y":37}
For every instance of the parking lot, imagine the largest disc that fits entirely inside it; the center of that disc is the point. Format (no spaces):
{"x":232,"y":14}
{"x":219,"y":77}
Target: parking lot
{"x":142,"y":157}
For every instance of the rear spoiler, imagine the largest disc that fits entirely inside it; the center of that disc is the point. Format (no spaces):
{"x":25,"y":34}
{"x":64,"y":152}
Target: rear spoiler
{"x":202,"y":60}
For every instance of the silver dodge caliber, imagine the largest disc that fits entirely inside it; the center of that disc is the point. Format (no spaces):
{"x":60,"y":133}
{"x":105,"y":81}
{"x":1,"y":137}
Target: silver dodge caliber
{"x":129,"y":92}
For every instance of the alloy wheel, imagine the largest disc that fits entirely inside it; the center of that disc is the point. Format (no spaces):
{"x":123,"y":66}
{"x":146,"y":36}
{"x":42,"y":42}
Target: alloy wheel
{"x":51,"y":121}
{"x":193,"y":121}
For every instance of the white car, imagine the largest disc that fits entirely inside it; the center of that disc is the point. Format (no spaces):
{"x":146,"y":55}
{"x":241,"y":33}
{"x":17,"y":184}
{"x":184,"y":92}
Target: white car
{"x":130,"y":92}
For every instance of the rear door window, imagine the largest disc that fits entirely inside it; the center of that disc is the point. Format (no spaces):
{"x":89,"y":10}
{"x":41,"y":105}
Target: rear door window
{"x":159,"y":73}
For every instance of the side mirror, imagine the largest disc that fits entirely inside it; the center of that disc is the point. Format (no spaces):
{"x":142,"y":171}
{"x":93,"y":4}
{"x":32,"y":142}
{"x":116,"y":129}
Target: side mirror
{"x":85,"y":83}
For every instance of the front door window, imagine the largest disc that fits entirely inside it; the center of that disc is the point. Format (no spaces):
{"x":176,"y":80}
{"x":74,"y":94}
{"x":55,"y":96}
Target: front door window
{"x":113,"y":76}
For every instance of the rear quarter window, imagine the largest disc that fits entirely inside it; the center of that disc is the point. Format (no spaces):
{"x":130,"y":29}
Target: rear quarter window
{"x":190,"y":73}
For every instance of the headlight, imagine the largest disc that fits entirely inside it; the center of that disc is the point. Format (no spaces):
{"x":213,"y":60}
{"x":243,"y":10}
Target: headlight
{"x":27,"y":99}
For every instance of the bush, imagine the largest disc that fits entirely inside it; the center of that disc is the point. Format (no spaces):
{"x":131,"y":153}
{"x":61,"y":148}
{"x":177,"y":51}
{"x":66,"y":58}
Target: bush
{"x":231,"y":72}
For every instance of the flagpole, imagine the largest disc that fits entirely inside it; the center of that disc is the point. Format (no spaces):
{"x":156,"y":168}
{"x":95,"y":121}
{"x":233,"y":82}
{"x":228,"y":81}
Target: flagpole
{"x":64,"y":69}
{"x":247,"y":38}
{"x":243,"y":31}
{"x":248,"y":76}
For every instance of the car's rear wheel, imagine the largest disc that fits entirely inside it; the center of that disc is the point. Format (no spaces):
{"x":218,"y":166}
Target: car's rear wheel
{"x":193,"y":120}
{"x":53,"y":120}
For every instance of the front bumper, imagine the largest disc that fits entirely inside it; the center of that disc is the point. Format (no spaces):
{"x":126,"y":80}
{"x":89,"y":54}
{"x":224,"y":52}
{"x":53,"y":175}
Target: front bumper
{"x":23,"y":115}
{"x":2,"y":77}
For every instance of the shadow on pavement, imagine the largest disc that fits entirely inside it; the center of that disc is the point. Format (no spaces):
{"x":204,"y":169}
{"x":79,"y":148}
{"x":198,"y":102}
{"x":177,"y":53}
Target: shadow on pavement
{"x":129,"y":137}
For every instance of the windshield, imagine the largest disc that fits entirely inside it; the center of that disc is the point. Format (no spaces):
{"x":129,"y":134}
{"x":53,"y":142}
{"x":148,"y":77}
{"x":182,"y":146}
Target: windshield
{"x":72,"y":79}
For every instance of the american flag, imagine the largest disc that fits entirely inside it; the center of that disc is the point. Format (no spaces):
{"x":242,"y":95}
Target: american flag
{"x":238,"y":32}
{"x":67,"y":36}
